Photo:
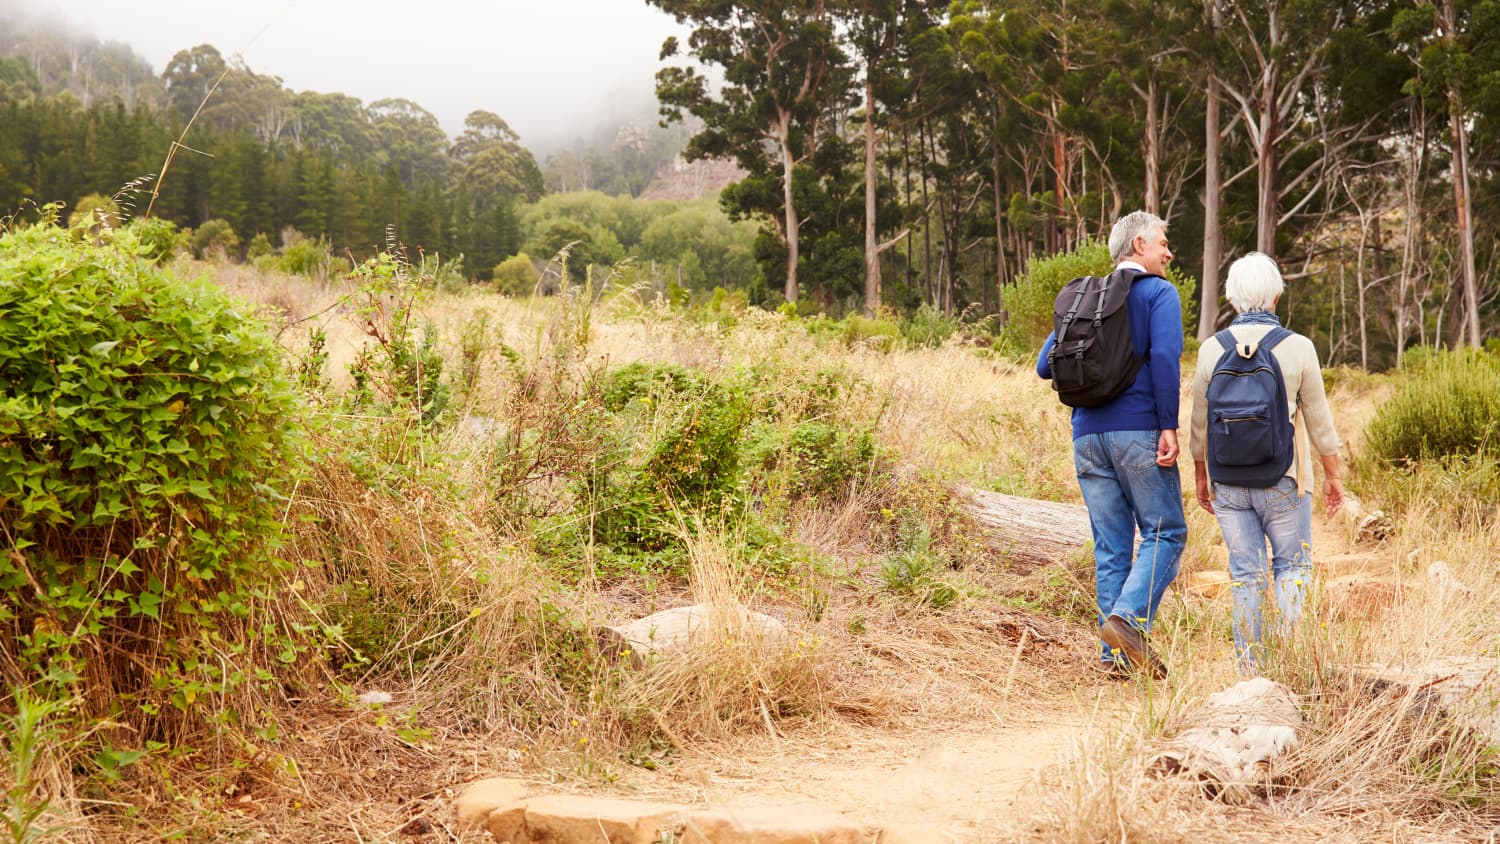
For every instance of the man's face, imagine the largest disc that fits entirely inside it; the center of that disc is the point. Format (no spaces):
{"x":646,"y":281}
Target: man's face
{"x":1152,"y":252}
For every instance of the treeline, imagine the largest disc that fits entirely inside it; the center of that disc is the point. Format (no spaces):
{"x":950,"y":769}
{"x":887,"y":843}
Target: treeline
{"x":259,"y":156}
{"x":904,"y":151}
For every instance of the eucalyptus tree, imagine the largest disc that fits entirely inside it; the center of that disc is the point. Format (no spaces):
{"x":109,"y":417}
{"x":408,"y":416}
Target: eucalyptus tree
{"x":1458,"y":73}
{"x":785,"y":85}
{"x":883,"y":35}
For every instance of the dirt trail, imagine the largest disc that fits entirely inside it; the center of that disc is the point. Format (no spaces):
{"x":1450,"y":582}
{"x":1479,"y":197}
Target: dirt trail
{"x":958,"y":782}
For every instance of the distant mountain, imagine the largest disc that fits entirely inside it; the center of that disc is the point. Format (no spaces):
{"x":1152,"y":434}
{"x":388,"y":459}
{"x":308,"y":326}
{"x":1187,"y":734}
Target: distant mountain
{"x":57,"y":60}
{"x":680,"y":179}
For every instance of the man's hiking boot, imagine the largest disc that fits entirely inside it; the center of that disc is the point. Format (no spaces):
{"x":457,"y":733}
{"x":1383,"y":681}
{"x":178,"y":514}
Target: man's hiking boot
{"x":1113,"y":669}
{"x":1129,"y":642}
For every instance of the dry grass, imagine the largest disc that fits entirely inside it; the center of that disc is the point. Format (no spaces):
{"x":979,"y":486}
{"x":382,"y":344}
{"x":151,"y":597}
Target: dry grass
{"x":489,"y":656}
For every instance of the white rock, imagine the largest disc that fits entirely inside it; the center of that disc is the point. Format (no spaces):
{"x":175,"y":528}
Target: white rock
{"x":375,"y":697}
{"x":1236,"y":736}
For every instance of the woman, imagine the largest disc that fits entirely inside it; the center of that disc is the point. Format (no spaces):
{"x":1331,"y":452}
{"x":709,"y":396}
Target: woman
{"x":1251,"y":515}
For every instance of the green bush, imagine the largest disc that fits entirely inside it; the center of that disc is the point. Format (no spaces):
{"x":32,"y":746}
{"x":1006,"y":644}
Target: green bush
{"x":159,"y":239}
{"x":146,"y":434}
{"x":516,"y":275}
{"x":813,"y":458}
{"x":260,"y":247}
{"x":670,"y":449}
{"x":879,"y":334}
{"x":928,"y":327}
{"x":1028,"y":303}
{"x":309,"y":258}
{"x":95,"y":209}
{"x":1450,"y":406}
{"x":215,"y":236}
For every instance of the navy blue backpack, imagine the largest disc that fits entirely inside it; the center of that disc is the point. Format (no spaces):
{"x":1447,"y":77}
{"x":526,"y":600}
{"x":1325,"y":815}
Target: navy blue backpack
{"x":1249,"y":430}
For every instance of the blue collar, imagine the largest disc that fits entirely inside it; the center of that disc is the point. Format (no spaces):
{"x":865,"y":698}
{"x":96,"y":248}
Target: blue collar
{"x":1257,"y":317}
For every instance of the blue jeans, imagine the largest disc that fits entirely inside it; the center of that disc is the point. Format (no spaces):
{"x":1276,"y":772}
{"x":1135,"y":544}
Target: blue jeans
{"x":1124,"y":490}
{"x":1248,"y":517}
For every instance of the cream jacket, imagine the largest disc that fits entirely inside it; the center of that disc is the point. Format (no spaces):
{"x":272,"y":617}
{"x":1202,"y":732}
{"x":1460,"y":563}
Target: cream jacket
{"x":1306,"y":400}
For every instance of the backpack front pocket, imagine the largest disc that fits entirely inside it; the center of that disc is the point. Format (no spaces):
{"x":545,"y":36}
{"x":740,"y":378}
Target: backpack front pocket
{"x":1241,"y":436}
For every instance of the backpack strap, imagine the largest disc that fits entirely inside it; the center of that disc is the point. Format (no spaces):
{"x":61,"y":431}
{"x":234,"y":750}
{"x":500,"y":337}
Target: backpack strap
{"x":1273,"y":337}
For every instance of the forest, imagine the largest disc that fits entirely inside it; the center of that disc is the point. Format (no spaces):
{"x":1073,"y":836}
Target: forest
{"x":897,"y":153}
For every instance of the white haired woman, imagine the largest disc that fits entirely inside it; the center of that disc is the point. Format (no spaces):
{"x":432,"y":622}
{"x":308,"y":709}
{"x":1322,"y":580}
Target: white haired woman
{"x":1251,"y":515}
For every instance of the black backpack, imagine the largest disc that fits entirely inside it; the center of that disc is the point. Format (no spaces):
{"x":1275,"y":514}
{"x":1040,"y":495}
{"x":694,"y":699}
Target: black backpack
{"x":1092,"y":359}
{"x":1249,"y":429}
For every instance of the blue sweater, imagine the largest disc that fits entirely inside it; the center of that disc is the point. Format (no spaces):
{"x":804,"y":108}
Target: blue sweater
{"x":1150,"y":403}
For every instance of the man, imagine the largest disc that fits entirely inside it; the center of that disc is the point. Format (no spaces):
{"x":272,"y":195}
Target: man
{"x":1125,"y":453}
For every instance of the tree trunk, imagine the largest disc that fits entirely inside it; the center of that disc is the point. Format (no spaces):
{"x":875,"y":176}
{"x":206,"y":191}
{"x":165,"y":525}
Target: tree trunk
{"x":1153,"y":150}
{"x":1029,"y":533}
{"x":872,"y":244}
{"x":999,"y":241}
{"x":1265,"y":209}
{"x":1461,"y":202}
{"x":1208,"y":296}
{"x":784,"y":130}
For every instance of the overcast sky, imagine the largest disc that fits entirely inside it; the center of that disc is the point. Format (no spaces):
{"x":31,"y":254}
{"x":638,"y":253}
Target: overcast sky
{"x":554,"y":69}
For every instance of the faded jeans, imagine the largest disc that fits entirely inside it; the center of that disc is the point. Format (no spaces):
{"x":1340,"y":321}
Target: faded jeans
{"x":1249,"y":517}
{"x":1124,"y":490}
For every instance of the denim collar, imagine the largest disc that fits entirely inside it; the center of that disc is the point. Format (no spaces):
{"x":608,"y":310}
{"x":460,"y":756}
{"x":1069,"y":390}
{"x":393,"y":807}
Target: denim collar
{"x":1257,"y":317}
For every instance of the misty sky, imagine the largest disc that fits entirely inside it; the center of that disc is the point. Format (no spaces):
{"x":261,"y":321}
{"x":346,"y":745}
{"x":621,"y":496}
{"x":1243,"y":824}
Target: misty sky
{"x":554,"y":69}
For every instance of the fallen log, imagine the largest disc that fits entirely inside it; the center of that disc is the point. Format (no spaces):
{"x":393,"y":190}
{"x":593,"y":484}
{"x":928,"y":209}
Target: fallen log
{"x":1028,"y":533}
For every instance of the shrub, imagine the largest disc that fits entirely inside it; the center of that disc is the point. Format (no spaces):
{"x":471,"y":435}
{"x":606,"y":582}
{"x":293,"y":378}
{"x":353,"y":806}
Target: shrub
{"x":677,"y":449}
{"x":260,"y":247}
{"x":95,"y":209}
{"x":146,"y":431}
{"x":928,"y":327}
{"x":309,"y":258}
{"x":215,"y":237}
{"x":516,"y":275}
{"x":401,"y":372}
{"x":814,"y":458}
{"x":1028,"y":303}
{"x":879,"y":334}
{"x":1450,"y":407}
{"x":159,"y":239}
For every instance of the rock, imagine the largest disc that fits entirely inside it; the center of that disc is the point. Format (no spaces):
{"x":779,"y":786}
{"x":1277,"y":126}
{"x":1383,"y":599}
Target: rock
{"x":1211,"y":584}
{"x":1361,"y":525}
{"x":681,"y":627}
{"x":1236,"y":736}
{"x":775,"y":825}
{"x":1358,"y":596}
{"x":1466,"y":688}
{"x":480,"y":798}
{"x":1441,"y":583}
{"x":567,"y":819}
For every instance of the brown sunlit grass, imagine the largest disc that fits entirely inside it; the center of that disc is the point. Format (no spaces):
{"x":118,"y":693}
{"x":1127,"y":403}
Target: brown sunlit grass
{"x":491,"y":659}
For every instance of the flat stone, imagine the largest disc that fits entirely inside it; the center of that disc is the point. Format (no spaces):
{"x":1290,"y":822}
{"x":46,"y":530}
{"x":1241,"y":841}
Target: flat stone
{"x":481,"y":797}
{"x":776,"y":825}
{"x":569,"y":819}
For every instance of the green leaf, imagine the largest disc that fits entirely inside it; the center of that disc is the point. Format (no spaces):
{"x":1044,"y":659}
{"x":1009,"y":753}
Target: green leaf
{"x":103,"y":347}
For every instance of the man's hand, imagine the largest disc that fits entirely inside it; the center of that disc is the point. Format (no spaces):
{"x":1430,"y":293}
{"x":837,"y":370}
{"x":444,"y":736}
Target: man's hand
{"x":1166,"y":449}
{"x":1205,"y":490}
